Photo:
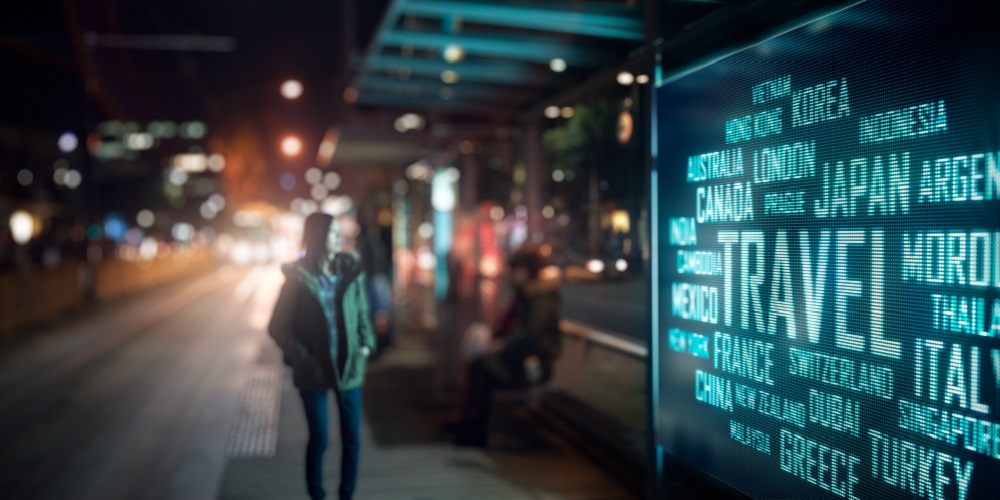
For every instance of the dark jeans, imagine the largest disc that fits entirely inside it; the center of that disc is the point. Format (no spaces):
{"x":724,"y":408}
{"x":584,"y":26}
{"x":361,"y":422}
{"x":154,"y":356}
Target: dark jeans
{"x":349,"y":406}
{"x":476,"y":408}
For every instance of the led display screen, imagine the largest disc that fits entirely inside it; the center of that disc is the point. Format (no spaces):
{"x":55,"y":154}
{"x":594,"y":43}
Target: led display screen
{"x":827,"y":275}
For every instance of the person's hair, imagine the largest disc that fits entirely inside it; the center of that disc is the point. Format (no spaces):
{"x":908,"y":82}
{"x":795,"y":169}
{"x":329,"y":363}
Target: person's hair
{"x":528,"y":259}
{"x":314,"y":233}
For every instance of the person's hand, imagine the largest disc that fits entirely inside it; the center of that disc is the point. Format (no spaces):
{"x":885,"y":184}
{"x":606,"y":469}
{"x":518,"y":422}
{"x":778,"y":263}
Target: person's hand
{"x":496,"y":345}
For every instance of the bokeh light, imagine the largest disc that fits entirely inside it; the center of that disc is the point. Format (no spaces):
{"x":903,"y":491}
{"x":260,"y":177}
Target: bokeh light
{"x":68,"y":142}
{"x":94,"y":232}
{"x":217,"y":201}
{"x":216,"y":162}
{"x":331,"y":180}
{"x":22,"y":226}
{"x":193,"y":130}
{"x":350,"y":95}
{"x":134,"y":236}
{"x":208,"y":211}
{"x":148,"y":248}
{"x":291,"y":89}
{"x":314,"y":175}
{"x":115,"y":227}
{"x":291,"y":146}
{"x":337,"y":205}
{"x":182,"y":232}
{"x":145,"y":218}
{"x":287,"y":181}
{"x":454,"y":53}
{"x":25,"y":177}
{"x":73,"y":179}
{"x":319,"y":192}
{"x":425,"y":230}
{"x":557,"y":64}
{"x":59,"y":176}
{"x":595,"y":266}
{"x":177,"y":177}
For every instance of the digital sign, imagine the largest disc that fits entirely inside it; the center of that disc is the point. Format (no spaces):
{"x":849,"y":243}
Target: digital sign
{"x":827,"y":261}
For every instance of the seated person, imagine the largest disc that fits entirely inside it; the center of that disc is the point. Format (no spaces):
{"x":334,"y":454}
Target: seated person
{"x":528,"y":342}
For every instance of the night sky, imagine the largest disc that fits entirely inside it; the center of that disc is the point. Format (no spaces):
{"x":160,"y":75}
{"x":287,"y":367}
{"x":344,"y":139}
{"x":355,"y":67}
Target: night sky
{"x":47,"y":69}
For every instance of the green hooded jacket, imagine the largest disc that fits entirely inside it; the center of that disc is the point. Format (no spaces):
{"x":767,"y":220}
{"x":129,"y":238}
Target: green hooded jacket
{"x":324,"y":356}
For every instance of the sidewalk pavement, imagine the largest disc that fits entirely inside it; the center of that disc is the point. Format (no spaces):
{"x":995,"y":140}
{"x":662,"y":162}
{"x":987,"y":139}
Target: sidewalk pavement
{"x":404,"y":457}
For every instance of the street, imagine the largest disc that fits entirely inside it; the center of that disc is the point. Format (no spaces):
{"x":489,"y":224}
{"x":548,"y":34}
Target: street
{"x":614,"y":306}
{"x":135,"y":399}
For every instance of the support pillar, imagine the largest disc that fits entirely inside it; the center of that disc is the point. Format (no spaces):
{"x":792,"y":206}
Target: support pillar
{"x":534,"y":164}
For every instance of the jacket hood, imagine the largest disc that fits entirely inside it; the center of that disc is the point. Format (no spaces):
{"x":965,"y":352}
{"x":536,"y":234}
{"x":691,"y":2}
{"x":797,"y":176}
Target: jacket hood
{"x":344,"y":263}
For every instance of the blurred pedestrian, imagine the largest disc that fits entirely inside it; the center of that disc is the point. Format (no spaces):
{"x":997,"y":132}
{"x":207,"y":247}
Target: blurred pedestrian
{"x":526,"y":344}
{"x":322,"y":324}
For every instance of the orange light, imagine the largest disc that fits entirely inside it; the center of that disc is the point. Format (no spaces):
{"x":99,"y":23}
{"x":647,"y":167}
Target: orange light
{"x":291,"y":146}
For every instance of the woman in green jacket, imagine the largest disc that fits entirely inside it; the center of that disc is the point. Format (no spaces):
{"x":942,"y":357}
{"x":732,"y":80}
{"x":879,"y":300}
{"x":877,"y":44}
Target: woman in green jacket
{"x":322,"y":325}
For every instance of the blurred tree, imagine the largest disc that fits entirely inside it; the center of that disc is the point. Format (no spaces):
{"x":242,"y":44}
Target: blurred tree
{"x":585,"y":144}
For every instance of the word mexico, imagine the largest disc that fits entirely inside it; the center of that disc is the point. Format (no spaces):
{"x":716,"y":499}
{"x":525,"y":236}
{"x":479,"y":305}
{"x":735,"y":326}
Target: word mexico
{"x":855,"y":302}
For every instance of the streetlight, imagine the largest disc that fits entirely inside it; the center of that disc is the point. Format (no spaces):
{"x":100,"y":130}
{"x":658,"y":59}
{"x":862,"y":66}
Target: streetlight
{"x":22,"y":225}
{"x":291,"y":146}
{"x":291,"y":89}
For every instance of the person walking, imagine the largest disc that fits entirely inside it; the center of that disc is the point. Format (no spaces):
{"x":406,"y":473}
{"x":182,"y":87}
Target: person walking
{"x":322,"y":325}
